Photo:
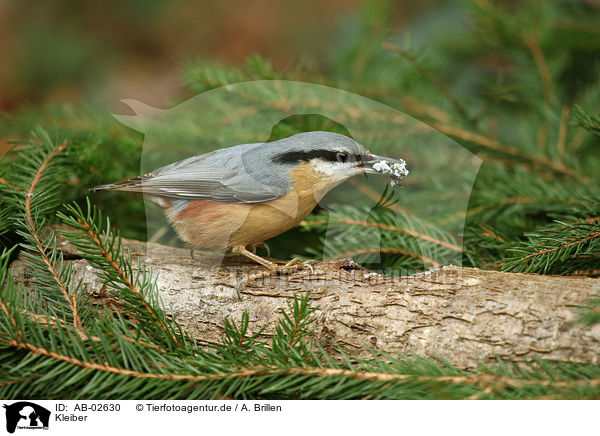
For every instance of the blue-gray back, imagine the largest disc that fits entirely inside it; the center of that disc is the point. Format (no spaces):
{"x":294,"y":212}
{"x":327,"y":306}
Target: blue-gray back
{"x":246,"y":173}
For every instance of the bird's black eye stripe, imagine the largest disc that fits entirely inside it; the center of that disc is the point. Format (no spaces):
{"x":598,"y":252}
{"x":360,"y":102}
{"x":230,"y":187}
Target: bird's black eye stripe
{"x":305,"y":156}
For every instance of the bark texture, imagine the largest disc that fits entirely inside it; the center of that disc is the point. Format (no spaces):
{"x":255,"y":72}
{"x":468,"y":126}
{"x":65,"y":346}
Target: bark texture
{"x":463,"y":315}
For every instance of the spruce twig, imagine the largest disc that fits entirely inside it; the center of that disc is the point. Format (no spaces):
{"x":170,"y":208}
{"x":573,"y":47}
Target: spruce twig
{"x":429,"y":76}
{"x":542,"y":65}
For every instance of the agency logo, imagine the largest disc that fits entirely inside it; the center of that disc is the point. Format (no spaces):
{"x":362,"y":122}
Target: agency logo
{"x":26,"y":415}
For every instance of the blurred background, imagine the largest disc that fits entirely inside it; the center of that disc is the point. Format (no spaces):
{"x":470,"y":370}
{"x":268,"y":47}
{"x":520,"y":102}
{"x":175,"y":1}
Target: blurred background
{"x":102,"y":51}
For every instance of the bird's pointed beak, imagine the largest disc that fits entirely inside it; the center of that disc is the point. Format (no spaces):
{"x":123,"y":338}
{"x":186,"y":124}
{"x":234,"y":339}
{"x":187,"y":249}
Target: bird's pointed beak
{"x":382,"y":165}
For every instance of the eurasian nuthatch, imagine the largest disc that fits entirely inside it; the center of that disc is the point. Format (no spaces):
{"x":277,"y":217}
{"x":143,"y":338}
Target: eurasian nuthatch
{"x":240,"y":196}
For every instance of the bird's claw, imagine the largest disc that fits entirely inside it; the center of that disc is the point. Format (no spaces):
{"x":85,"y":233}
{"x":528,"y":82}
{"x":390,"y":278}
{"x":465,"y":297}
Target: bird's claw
{"x":240,"y":285}
{"x":293,"y":265}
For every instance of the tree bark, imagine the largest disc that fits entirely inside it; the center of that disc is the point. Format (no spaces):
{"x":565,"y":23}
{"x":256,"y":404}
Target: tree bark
{"x":464,"y":315}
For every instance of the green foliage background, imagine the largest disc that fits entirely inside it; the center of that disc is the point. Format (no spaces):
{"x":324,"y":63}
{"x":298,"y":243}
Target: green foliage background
{"x":517,"y":85}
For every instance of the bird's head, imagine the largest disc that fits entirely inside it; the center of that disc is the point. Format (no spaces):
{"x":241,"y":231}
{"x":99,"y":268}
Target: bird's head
{"x":326,"y":159}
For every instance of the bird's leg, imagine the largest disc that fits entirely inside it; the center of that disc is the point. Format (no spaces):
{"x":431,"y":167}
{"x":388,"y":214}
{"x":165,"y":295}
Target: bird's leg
{"x":240,"y":249}
{"x":273,"y":269}
{"x":253,"y":247}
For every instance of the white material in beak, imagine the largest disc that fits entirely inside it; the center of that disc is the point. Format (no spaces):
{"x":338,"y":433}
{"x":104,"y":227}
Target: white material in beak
{"x":395,"y":168}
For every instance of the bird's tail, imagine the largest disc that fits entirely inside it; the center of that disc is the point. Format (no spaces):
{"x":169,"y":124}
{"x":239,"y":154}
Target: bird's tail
{"x":134,"y":184}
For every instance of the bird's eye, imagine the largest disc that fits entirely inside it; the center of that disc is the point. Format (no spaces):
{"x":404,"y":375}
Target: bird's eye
{"x":342,"y":157}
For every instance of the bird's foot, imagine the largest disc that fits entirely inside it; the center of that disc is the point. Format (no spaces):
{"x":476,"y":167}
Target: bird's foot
{"x":297,"y":263}
{"x":289,"y":268}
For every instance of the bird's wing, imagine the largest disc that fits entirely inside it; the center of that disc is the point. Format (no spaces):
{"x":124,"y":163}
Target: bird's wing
{"x":203,"y":177}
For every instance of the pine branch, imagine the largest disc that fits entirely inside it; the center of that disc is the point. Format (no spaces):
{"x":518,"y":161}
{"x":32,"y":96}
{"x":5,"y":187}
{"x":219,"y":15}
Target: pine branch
{"x":10,"y":185}
{"x":202,"y":75}
{"x":406,"y":242}
{"x":562,"y":133}
{"x":542,"y":65}
{"x":31,"y":199}
{"x":429,"y":76}
{"x":60,"y":279}
{"x":498,"y":147}
{"x":261,"y":68}
{"x":562,"y":248}
{"x":383,"y":226}
{"x":107,"y":254}
{"x":589,"y":122}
